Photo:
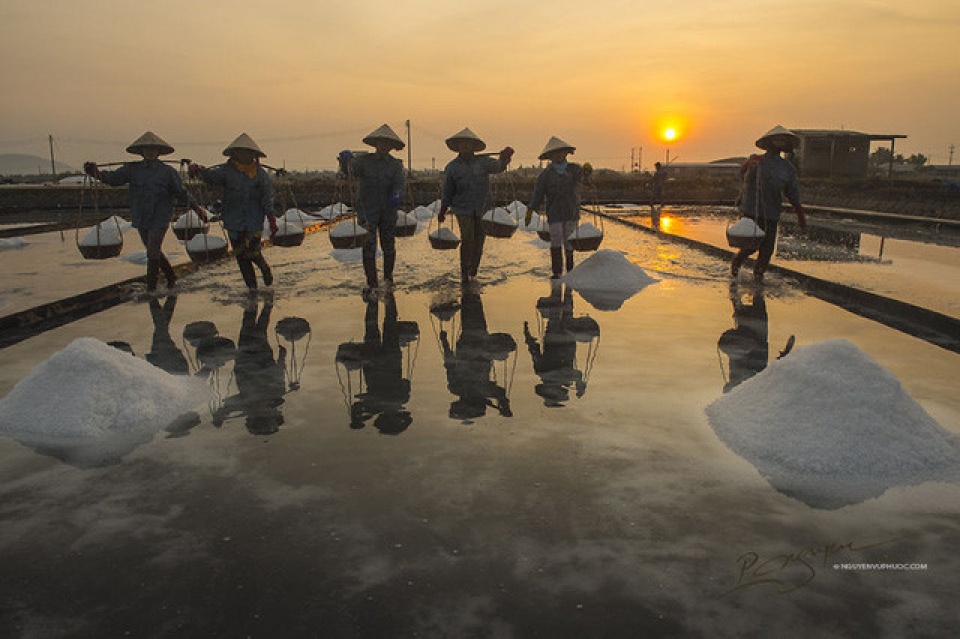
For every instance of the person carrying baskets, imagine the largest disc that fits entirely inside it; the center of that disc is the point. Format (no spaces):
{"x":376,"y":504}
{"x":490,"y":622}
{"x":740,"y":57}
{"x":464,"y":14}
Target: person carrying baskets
{"x":154,"y":189}
{"x":379,"y":188}
{"x":247,"y":200}
{"x":559,"y":186}
{"x":766,"y":179}
{"x":466,"y":190}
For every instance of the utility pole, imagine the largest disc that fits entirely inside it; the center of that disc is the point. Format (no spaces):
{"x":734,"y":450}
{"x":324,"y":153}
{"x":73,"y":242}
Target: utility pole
{"x":633,"y":150}
{"x":950,"y":161}
{"x":639,"y":159}
{"x":53,"y":162}
{"x":409,"y":157}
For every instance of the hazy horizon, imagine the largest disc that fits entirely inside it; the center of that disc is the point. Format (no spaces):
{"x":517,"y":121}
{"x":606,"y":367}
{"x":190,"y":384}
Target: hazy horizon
{"x":306,"y":79}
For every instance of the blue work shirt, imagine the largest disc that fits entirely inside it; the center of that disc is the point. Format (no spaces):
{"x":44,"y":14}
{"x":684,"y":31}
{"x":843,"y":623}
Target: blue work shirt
{"x":154,"y":188}
{"x":246,"y":200}
{"x":380,"y":178}
{"x":561,"y":192}
{"x":466,"y":183}
{"x":765,"y":184}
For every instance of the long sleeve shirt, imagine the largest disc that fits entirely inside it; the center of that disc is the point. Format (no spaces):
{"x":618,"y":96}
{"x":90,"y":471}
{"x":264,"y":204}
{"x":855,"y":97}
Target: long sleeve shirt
{"x":765,"y":183}
{"x":246,"y":200}
{"x":154,"y":189}
{"x":380,"y":178}
{"x":466,"y":184}
{"x":561,"y":192}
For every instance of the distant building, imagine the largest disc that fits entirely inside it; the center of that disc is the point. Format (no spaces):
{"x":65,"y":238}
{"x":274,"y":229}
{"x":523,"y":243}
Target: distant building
{"x":832,"y":153}
{"x":941,"y":171}
{"x":703,"y":170}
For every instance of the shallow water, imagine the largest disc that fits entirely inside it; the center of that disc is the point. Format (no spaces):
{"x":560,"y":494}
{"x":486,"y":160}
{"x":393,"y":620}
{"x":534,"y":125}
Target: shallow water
{"x":617,"y":512}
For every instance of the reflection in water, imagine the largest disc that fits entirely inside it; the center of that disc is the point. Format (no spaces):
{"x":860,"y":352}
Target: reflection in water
{"x":555,"y":361}
{"x":259,"y":378}
{"x":383,"y":389}
{"x":479,"y":367}
{"x":746,"y":345}
{"x":164,"y":353}
{"x":293,"y":330}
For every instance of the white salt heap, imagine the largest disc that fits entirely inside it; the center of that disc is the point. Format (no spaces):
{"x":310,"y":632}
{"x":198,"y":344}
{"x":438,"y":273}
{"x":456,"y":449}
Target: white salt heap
{"x":829,"y":423}
{"x":517,"y":208}
{"x":298,"y":217}
{"x":189,"y":220}
{"x":406,"y":219}
{"x":204,"y":242}
{"x":286,"y":227}
{"x":444,"y":233}
{"x":111,"y":232}
{"x":422,"y":213}
{"x":607,"y":279}
{"x":586,"y":230}
{"x":12,"y":243}
{"x":332,"y":211}
{"x":500,"y":215}
{"x":745,"y":227}
{"x":434,"y":206}
{"x":93,"y":403}
{"x":348,"y":228}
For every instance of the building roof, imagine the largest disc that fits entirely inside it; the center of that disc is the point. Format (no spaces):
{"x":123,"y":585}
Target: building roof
{"x":838,"y":133}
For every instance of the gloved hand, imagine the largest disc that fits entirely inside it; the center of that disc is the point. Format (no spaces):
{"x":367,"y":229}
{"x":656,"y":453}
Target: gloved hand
{"x":194,"y":170}
{"x":394,"y":202}
{"x":506,"y":154}
{"x":443,"y":213}
{"x":528,"y":217}
{"x":587,"y":169}
{"x":90,"y":168}
{"x":801,"y":217}
{"x":272,"y":219}
{"x":345,"y":155}
{"x":200,"y":212}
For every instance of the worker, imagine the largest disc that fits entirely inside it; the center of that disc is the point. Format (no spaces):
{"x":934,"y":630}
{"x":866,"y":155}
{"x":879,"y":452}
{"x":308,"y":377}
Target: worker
{"x":154,"y":189}
{"x":380,"y":185}
{"x":247,"y":200}
{"x":466,"y":190}
{"x":559,"y":186}
{"x":765,"y":180}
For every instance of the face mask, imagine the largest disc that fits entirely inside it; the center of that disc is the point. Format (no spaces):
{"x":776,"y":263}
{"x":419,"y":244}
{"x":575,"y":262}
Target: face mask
{"x":559,"y":167}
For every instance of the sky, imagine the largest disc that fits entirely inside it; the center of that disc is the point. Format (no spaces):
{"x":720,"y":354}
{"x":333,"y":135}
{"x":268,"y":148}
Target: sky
{"x":307,"y":78}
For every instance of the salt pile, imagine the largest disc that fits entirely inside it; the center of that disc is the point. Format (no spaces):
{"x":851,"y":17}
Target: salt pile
{"x":830,"y":426}
{"x":422,"y":213}
{"x":607,"y":279}
{"x":189,"y":220}
{"x":332,"y":211}
{"x":586,"y":230}
{"x":434,"y":206}
{"x":500,"y":215}
{"x":745,"y":228}
{"x":297,"y":217}
{"x":348,"y":228}
{"x":445,"y":233}
{"x":406,"y":219}
{"x":288,"y":227}
{"x":204,"y":242}
{"x":12,"y":243}
{"x":110,"y":232}
{"x":91,"y":404}
{"x":517,"y":208}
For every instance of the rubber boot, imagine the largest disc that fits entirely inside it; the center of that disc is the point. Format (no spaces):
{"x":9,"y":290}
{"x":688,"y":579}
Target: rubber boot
{"x":261,"y":262}
{"x":168,"y":272}
{"x":153,"y":274}
{"x":246,"y":270}
{"x":389,"y":260}
{"x":370,"y":270}
{"x":556,"y":262}
{"x":569,"y":260}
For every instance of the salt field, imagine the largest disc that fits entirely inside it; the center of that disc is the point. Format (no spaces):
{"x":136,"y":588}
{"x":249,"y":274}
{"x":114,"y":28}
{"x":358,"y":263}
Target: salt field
{"x":620,"y":454}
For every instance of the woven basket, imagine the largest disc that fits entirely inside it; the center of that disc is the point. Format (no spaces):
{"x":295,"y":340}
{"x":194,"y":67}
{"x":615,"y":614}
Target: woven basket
{"x":289,"y":239}
{"x":100,"y":251}
{"x":586,"y":243}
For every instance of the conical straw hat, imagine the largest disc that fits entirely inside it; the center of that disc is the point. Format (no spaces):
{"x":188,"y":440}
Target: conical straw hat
{"x":384,"y":133}
{"x":780,"y":137}
{"x":244,"y":141}
{"x":466,"y":134}
{"x":556,"y":144}
{"x":149,"y":139}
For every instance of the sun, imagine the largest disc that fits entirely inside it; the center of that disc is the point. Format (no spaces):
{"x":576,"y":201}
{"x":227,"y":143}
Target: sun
{"x":669,"y":134}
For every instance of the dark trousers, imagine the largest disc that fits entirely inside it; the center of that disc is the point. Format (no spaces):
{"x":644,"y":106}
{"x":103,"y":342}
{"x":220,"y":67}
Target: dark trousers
{"x":386,"y":228}
{"x":156,"y":261}
{"x":472,"y":237}
{"x":766,"y":248}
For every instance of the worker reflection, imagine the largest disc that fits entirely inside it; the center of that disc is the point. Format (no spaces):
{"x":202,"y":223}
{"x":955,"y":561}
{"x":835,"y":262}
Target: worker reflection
{"x":260,"y":378}
{"x":555,"y":360}
{"x":747,"y":344}
{"x":387,"y":390}
{"x":164,"y":353}
{"x":470,"y":365}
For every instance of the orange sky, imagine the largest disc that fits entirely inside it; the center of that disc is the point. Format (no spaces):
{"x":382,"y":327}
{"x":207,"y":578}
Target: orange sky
{"x":308,"y":78}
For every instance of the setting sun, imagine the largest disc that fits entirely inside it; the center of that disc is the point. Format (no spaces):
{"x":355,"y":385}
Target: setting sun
{"x":669,"y":134}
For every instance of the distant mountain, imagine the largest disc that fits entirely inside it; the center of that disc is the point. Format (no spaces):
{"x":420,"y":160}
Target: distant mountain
{"x":22,"y":164}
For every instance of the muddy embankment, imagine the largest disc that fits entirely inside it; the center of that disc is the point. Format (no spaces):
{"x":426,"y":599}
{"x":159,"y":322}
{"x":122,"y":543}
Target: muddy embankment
{"x":930,"y":199}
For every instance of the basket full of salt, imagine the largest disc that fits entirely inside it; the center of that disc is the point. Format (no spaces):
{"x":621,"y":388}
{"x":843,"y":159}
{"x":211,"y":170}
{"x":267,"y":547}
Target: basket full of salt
{"x":348,"y":234}
{"x":444,"y":239}
{"x":288,"y":233}
{"x":103,"y":241}
{"x":586,"y":237}
{"x":499,"y":222}
{"x":203,"y":248}
{"x":744,"y":234}
{"x":188,"y":225}
{"x":406,"y":224}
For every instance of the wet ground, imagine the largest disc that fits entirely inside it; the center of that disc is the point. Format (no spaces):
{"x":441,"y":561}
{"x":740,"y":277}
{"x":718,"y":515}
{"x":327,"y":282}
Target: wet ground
{"x":463,"y":472}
